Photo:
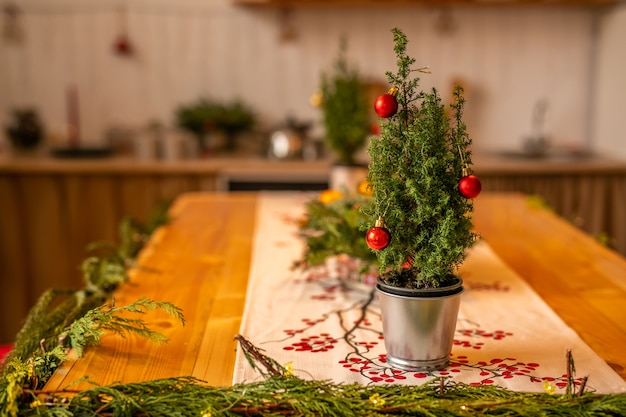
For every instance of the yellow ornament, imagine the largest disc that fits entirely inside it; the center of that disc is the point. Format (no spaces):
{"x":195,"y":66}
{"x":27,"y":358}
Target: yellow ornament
{"x":328,"y":196}
{"x":365,"y":188}
{"x":316,"y":99}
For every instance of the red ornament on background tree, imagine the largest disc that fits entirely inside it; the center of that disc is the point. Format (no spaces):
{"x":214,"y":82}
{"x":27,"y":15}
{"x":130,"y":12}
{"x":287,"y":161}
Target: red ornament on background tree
{"x":469,"y":185}
{"x":122,"y":46}
{"x":386,"y":105}
{"x":378,"y":237}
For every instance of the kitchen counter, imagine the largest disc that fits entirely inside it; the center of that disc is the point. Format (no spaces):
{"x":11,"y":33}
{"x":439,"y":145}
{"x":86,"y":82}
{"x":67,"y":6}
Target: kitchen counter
{"x":317,"y":169}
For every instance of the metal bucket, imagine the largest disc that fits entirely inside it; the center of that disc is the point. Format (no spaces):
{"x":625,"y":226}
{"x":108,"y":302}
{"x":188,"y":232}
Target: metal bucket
{"x":419,"y":325}
{"x":347,"y":177}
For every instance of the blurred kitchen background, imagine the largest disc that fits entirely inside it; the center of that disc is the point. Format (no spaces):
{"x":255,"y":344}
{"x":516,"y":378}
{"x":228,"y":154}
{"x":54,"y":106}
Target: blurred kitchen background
{"x":510,"y":60}
{"x":107,"y":80}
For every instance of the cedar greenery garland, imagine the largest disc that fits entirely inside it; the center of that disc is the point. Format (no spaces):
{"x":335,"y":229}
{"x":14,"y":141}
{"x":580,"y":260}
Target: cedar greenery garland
{"x":290,"y":396}
{"x":283,"y":394}
{"x":62,"y":318}
{"x":56,"y":309}
{"x":22,"y":377}
{"x":416,"y":164}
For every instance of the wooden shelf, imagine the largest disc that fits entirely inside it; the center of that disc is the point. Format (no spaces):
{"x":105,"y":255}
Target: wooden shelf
{"x":422,"y":3}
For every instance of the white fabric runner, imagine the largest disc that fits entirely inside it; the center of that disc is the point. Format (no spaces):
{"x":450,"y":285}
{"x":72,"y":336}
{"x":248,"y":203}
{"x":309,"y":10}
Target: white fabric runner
{"x":323,"y":325}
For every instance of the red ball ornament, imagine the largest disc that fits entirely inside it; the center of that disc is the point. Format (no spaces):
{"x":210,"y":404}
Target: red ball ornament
{"x":122,"y":46}
{"x":378,"y":237}
{"x":469,"y":186}
{"x":386,"y":105}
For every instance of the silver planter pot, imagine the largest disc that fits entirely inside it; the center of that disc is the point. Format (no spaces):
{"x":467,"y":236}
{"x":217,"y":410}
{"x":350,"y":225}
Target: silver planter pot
{"x":419,"y":325}
{"x":347,"y":177}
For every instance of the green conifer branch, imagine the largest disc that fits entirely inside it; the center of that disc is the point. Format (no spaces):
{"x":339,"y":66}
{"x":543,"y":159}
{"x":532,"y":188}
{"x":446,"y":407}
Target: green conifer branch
{"x":289,"y":396}
{"x":332,"y":229}
{"x":282,"y":394}
{"x":88,"y":329}
{"x":39,"y":346}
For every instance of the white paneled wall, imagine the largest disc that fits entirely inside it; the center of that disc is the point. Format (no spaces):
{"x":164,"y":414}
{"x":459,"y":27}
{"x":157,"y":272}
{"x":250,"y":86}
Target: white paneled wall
{"x":509,"y":58}
{"x":610,"y":86}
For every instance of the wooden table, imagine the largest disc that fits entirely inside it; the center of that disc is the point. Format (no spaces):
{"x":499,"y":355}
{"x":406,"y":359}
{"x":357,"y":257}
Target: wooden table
{"x":200,"y":263}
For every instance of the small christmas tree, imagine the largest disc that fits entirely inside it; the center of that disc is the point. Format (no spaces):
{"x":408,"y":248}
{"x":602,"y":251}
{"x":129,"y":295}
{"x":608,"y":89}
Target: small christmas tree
{"x":345,"y":109}
{"x":421,"y":204}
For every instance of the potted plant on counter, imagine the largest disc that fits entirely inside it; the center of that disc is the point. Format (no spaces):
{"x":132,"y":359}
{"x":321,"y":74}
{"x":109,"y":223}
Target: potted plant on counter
{"x":420,"y":216}
{"x":26,"y":131}
{"x":215,"y":125}
{"x":346,"y":118}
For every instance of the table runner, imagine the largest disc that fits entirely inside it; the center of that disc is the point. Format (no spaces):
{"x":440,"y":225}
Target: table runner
{"x":326,"y":325}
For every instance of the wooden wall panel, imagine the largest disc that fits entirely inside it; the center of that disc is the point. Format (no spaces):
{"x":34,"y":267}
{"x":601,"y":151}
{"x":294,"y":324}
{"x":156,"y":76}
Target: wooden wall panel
{"x":92,"y":215}
{"x":14,"y":300}
{"x":137,"y":194}
{"x":44,"y":227}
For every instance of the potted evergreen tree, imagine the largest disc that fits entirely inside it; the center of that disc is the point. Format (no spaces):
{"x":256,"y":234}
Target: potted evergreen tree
{"x":346,"y":118}
{"x":420,"y":216}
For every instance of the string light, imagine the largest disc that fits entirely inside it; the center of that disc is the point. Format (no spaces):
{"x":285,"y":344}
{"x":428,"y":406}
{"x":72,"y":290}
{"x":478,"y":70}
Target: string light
{"x":288,"y":369}
{"x":548,"y":387}
{"x":377,"y":400}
